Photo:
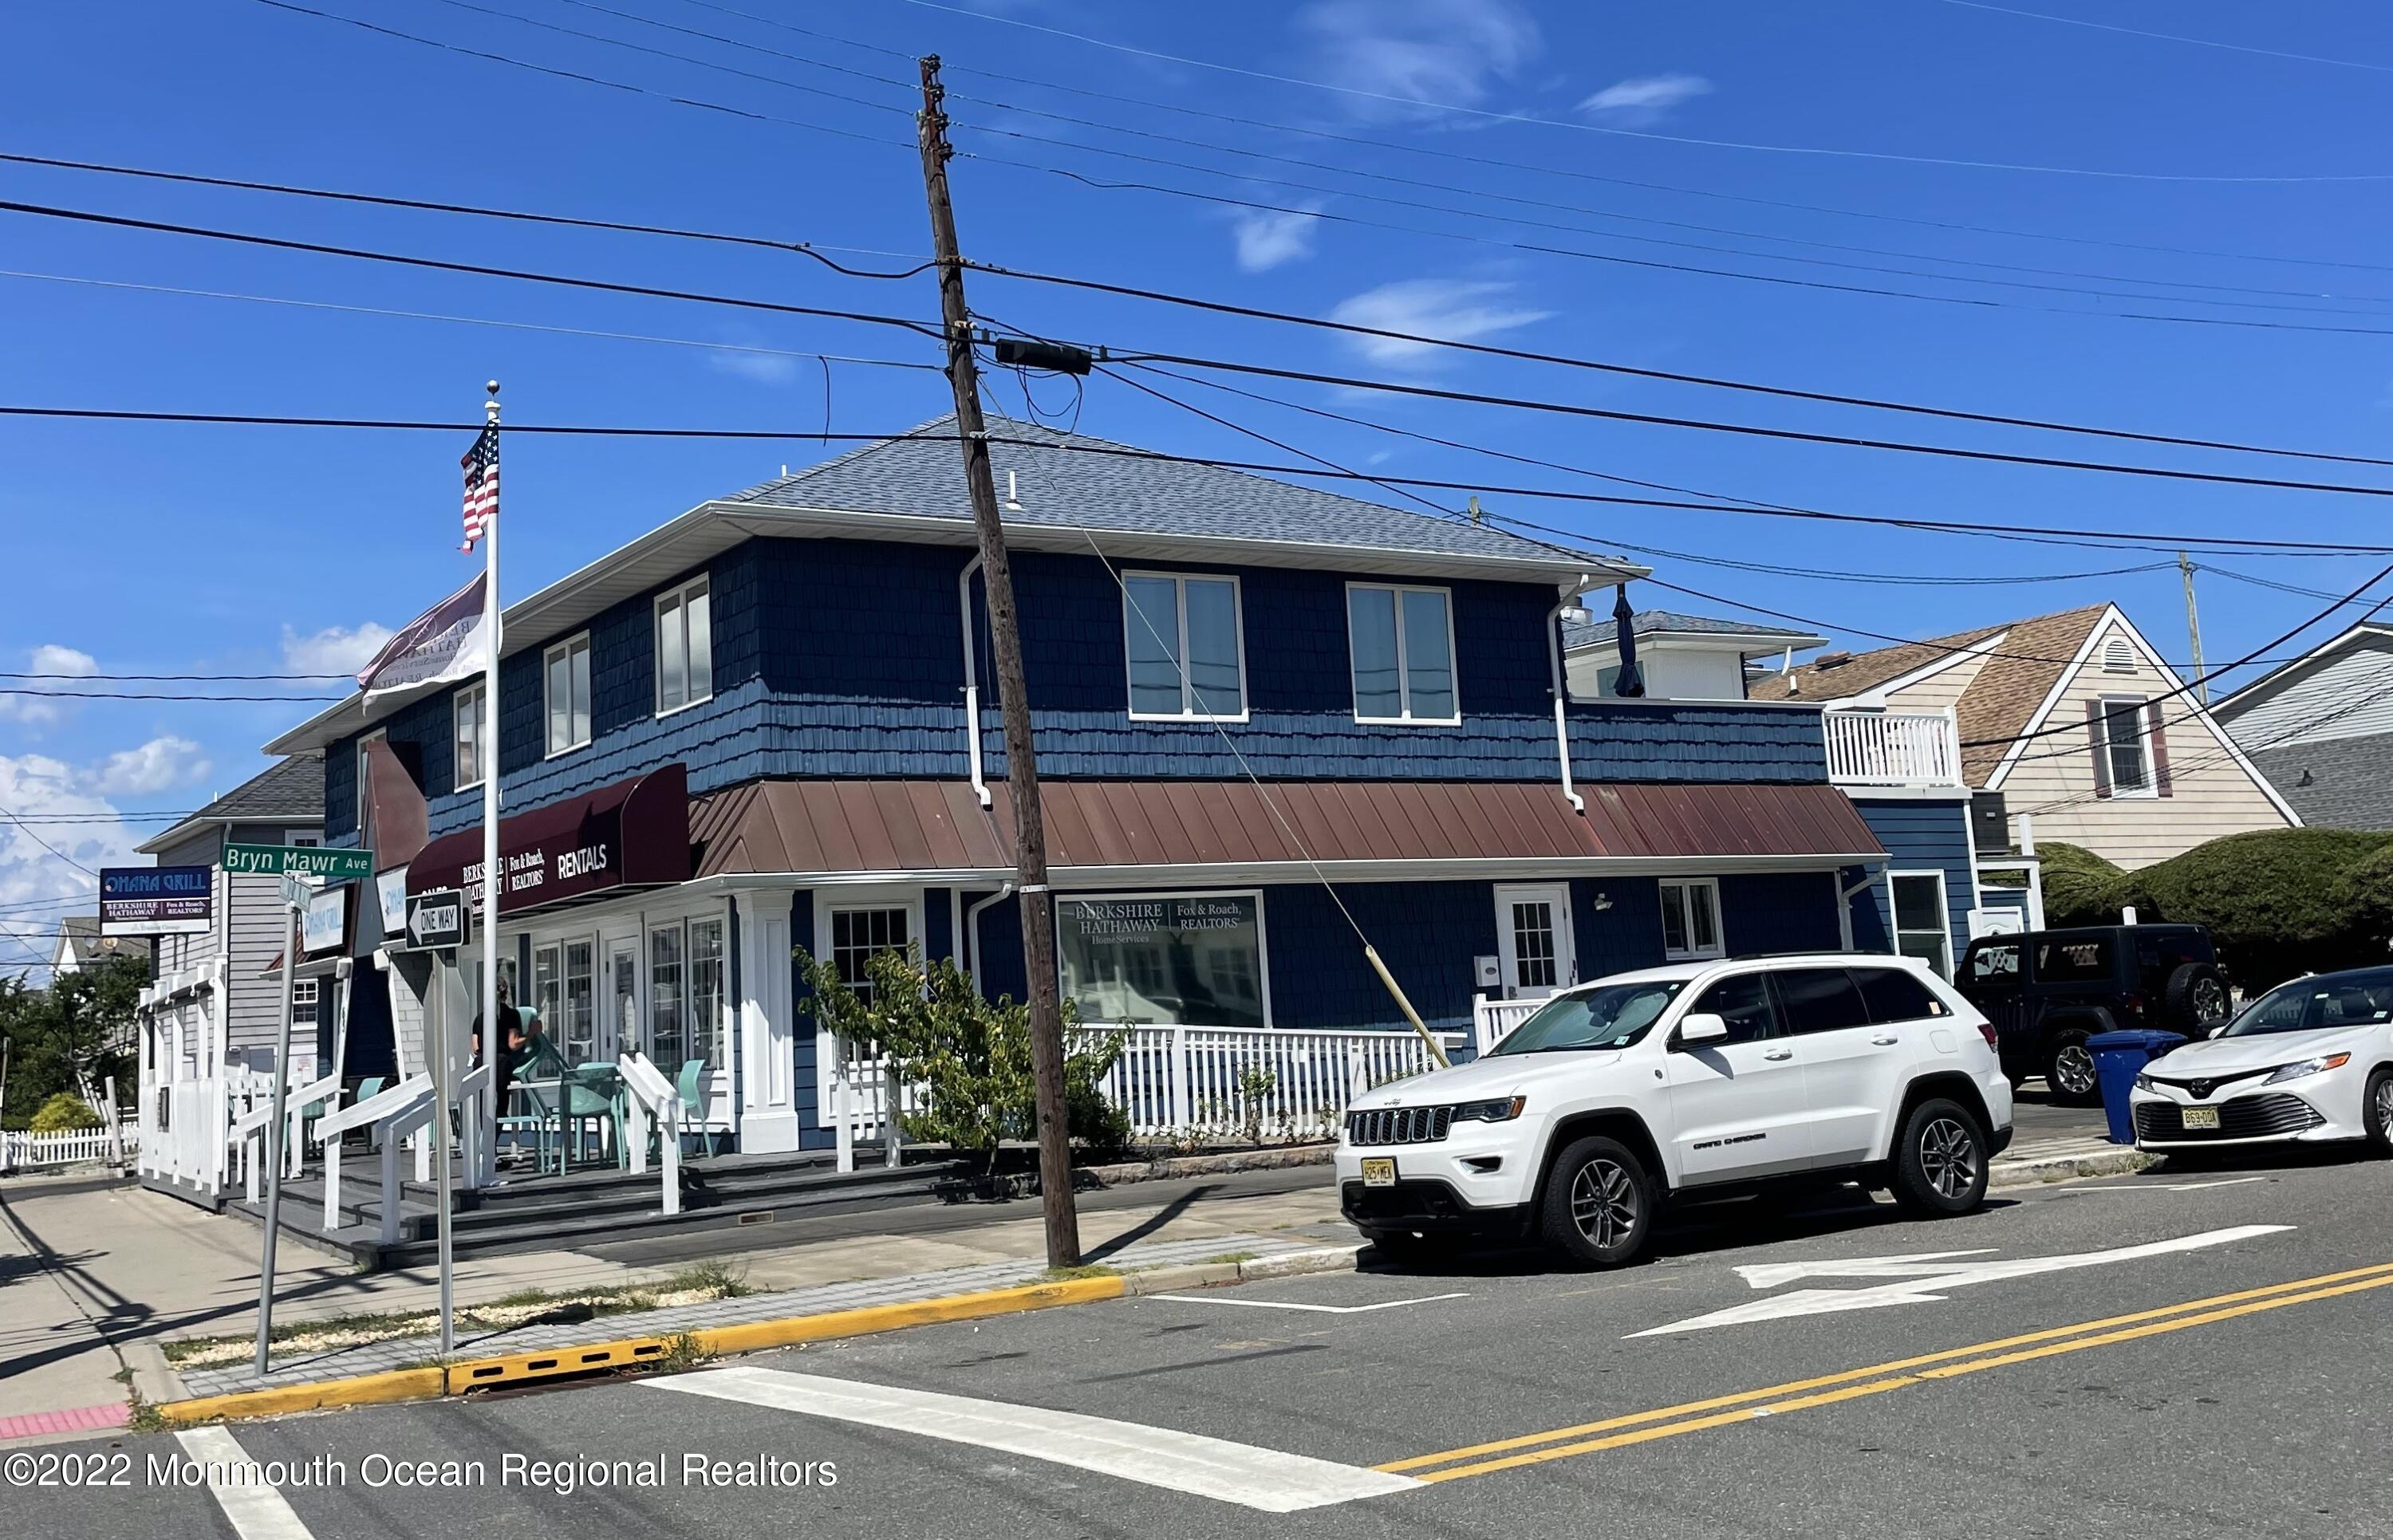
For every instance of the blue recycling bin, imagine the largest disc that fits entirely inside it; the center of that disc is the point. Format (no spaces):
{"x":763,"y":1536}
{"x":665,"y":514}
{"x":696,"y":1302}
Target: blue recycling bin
{"x":2119,"y":1057}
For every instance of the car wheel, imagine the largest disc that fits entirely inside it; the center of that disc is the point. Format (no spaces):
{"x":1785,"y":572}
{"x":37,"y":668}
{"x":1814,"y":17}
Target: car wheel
{"x":2068,"y":1070}
{"x":2195,"y":998}
{"x":1599,"y":1203}
{"x":1939,"y":1162}
{"x":2376,"y":1107}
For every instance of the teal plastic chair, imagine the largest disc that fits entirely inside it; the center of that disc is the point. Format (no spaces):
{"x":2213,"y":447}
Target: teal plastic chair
{"x":693,"y":1101}
{"x":370,"y":1086}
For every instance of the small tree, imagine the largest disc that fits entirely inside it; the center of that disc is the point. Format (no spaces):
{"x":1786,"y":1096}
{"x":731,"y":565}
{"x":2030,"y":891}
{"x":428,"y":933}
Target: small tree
{"x":2077,"y":885}
{"x":64,"y":1112}
{"x":968,"y":1056}
{"x":70,"y":1037}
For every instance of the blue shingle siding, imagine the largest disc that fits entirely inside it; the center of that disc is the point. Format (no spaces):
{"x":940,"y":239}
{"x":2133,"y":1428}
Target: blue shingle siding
{"x":1427,"y":933}
{"x":1923,"y":836}
{"x":1788,"y":911}
{"x":1713,"y":741}
{"x":1626,"y":934}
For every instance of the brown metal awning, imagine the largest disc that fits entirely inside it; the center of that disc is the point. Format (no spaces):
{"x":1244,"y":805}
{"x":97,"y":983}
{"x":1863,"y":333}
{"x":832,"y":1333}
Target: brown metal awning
{"x":634,"y":833}
{"x":855,"y":827}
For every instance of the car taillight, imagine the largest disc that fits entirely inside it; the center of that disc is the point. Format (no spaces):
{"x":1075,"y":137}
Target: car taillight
{"x":1986,"y":1030}
{"x":2135,"y":1004}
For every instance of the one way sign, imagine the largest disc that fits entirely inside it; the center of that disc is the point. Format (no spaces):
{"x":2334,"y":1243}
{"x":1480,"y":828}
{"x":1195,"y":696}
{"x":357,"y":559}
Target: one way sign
{"x":436,"y":920}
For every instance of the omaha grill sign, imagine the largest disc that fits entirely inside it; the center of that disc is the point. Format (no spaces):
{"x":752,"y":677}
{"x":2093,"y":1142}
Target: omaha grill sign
{"x":157,"y":900}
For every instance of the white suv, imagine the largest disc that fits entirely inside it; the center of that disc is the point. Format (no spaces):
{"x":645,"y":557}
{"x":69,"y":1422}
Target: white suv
{"x":1694,"y":1079}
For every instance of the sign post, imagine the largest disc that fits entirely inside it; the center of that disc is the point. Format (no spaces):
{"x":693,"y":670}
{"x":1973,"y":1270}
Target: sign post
{"x":435,"y":923}
{"x":293,"y":864}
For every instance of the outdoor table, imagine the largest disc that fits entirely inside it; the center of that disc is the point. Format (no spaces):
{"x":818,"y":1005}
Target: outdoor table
{"x":598,"y":1077}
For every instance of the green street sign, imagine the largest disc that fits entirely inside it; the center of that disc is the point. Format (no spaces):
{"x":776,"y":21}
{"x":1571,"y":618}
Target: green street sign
{"x":298,"y":861}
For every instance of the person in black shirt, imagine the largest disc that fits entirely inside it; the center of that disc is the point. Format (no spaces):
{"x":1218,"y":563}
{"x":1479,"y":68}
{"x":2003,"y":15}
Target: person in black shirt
{"x":503,"y":1062}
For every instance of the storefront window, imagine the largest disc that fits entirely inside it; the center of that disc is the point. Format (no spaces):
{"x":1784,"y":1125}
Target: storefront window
{"x":1164,"y":960}
{"x":544,"y":997}
{"x":577,"y":1027}
{"x":706,"y":990}
{"x":857,"y":935}
{"x":668,"y":1040}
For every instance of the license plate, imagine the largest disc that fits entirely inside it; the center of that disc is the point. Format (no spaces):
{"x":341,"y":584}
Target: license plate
{"x":2202,"y":1118}
{"x":1380,"y":1172}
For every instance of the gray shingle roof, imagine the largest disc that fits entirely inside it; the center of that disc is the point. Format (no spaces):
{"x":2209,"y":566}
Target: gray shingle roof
{"x":81,"y":933}
{"x":921,"y":473}
{"x":2347,"y":784}
{"x":1652,"y":622}
{"x":289,"y":790}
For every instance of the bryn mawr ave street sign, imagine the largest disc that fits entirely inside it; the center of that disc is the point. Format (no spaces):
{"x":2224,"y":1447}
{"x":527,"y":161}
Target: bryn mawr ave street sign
{"x":298,"y":861}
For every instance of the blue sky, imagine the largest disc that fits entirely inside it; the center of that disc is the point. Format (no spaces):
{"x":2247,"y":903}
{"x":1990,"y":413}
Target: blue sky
{"x":174,"y":549}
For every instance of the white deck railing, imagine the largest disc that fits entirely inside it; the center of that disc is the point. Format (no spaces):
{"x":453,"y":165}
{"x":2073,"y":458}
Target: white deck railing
{"x":1493,"y":1021}
{"x":651,"y":1100}
{"x":1892,"y":748}
{"x":32,"y":1151}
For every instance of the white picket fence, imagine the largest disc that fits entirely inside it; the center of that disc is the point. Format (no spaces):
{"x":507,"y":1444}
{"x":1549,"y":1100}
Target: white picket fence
{"x":32,"y":1151}
{"x":1493,"y":1021}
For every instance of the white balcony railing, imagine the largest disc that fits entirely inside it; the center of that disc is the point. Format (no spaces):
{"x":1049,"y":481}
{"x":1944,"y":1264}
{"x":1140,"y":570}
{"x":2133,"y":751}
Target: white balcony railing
{"x":1892,"y":748}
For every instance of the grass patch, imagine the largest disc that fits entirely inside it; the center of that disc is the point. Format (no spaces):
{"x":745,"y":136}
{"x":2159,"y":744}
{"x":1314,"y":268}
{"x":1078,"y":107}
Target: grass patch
{"x":1086,"y":1270}
{"x":682,"y":1353}
{"x":142,"y":1417}
{"x":1228,"y":1258}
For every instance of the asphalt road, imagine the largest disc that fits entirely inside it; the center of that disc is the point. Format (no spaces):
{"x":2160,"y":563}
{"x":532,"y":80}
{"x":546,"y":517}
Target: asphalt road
{"x":2184,"y":1353}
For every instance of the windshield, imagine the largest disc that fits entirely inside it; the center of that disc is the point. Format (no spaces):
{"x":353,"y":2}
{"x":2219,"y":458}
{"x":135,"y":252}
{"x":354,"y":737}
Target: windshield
{"x":2313,"y":1004}
{"x":1612,"y":1016}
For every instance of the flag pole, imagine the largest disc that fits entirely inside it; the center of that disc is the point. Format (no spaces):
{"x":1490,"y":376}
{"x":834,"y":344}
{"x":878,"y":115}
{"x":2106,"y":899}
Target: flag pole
{"x":493,"y":1043}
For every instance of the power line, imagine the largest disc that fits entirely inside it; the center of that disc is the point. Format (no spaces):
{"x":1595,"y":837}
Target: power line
{"x":123,"y":695}
{"x":297,"y":678}
{"x":1160,"y":296}
{"x":1491,"y":115}
{"x":2173,"y":37}
{"x":2240,"y":546}
{"x":46,"y":844}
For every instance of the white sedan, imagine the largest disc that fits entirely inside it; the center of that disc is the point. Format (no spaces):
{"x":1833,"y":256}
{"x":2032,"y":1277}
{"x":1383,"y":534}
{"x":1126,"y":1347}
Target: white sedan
{"x":2310,"y":1061}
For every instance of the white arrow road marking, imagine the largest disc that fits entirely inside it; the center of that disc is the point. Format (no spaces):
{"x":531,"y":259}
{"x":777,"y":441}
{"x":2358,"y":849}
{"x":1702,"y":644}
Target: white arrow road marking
{"x":1322,"y":1310}
{"x":1924,"y":1278}
{"x":255,"y":1508}
{"x":1264,"y":1479}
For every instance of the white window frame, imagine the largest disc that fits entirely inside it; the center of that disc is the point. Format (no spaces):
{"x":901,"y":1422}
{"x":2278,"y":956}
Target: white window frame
{"x":1403,"y":675}
{"x":480,"y":717}
{"x":1691,"y":952}
{"x":306,"y":1000}
{"x":2111,"y":705}
{"x":380,"y":735}
{"x":1262,"y":938}
{"x":579,"y":640}
{"x":679,"y":599}
{"x":1943,"y":908}
{"x":1180,"y":581}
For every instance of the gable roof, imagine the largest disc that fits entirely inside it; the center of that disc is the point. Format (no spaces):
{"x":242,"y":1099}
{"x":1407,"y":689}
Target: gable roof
{"x":2366,"y":634}
{"x":1067,"y":488}
{"x":2013,"y":682}
{"x":290,"y":790}
{"x":1076,"y":481}
{"x":79,"y":938}
{"x":1671,"y":622}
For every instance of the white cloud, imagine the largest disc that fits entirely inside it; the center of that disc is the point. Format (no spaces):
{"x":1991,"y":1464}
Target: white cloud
{"x":39,"y":789}
{"x":1645,"y":100}
{"x":1451,"y":309}
{"x":1268,"y":239}
{"x":158,"y":765}
{"x":773,"y":368}
{"x":335,"y":650}
{"x":1450,"y":51}
{"x":48,"y":659}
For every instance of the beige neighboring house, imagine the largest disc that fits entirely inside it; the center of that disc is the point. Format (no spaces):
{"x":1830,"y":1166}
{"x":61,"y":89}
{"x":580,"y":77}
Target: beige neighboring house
{"x":2073,"y":719}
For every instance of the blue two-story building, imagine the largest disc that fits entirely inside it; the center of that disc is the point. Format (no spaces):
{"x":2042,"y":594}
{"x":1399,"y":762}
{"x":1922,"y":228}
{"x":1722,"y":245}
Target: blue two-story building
{"x":1271,"y":722}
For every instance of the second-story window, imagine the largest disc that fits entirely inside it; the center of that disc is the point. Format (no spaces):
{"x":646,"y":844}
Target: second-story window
{"x":566,"y":670}
{"x":685,"y":647}
{"x":1186,"y":657}
{"x":1403,"y":642}
{"x":467,"y":712}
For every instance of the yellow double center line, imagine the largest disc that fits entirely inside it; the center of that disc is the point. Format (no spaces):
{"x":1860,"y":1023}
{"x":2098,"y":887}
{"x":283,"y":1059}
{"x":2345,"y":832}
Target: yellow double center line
{"x":1587,"y":1438}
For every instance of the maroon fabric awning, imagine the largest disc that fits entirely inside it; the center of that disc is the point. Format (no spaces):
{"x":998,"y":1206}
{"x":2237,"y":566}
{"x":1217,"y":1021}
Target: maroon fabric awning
{"x":908,"y":825}
{"x":634,"y":833}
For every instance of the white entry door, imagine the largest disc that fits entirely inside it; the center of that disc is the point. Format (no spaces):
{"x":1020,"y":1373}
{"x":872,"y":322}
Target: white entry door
{"x":1532,"y":937}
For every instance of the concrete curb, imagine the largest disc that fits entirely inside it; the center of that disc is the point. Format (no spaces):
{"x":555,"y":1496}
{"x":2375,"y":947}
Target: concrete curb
{"x":1292,"y":1264}
{"x":2031,"y":1173}
{"x":154,"y":1379}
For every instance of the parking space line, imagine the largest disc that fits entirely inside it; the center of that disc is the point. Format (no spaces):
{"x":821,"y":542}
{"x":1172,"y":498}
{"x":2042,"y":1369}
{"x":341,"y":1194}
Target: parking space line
{"x":2161,"y":1186}
{"x":1318,"y":1310}
{"x":253,"y":1508}
{"x":1851,"y":1384}
{"x":1268,"y":1480}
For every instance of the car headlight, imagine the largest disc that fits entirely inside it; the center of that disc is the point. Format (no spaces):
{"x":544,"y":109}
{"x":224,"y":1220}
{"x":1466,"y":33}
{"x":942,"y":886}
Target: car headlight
{"x":1502,"y":1109}
{"x":2144,"y":1083}
{"x":2306,"y":1066}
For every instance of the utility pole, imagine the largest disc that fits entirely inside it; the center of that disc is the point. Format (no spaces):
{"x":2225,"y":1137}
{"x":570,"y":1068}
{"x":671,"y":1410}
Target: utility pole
{"x":1021,"y":765}
{"x":2193,"y":629}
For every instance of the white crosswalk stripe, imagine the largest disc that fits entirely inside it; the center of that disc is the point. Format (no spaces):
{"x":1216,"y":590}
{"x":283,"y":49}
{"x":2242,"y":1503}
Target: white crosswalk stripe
{"x":1269,"y":1479}
{"x":255,"y":1508}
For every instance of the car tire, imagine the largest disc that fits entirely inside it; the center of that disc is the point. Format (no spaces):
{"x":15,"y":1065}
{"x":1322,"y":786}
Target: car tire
{"x":2376,"y":1111}
{"x":2196,"y":998}
{"x":1599,"y":1203}
{"x":1940,"y":1161}
{"x":2068,"y":1070}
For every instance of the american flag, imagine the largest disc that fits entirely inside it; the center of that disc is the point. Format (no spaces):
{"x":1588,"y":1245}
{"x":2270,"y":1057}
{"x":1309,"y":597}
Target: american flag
{"x":482,"y":467}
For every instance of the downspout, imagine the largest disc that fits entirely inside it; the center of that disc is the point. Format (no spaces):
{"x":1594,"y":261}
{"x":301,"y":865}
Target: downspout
{"x":971,"y":687}
{"x":971,"y":925}
{"x":1554,"y":662}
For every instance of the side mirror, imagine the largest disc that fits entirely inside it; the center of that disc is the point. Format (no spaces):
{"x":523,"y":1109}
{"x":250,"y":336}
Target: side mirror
{"x":1702,"y":1027}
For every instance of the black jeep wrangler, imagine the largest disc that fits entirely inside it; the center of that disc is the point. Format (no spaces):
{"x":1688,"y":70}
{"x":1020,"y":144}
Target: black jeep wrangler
{"x":2047,"y":991}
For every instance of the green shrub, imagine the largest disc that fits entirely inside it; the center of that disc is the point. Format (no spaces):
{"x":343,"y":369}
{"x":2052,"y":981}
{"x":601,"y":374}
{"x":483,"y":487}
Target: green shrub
{"x":64,"y":1112}
{"x":2077,"y":885}
{"x":2368,"y":896}
{"x":2278,"y":902}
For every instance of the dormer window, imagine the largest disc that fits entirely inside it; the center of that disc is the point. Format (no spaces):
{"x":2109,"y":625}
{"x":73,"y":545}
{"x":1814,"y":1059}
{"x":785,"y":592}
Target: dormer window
{"x":1185,"y":647}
